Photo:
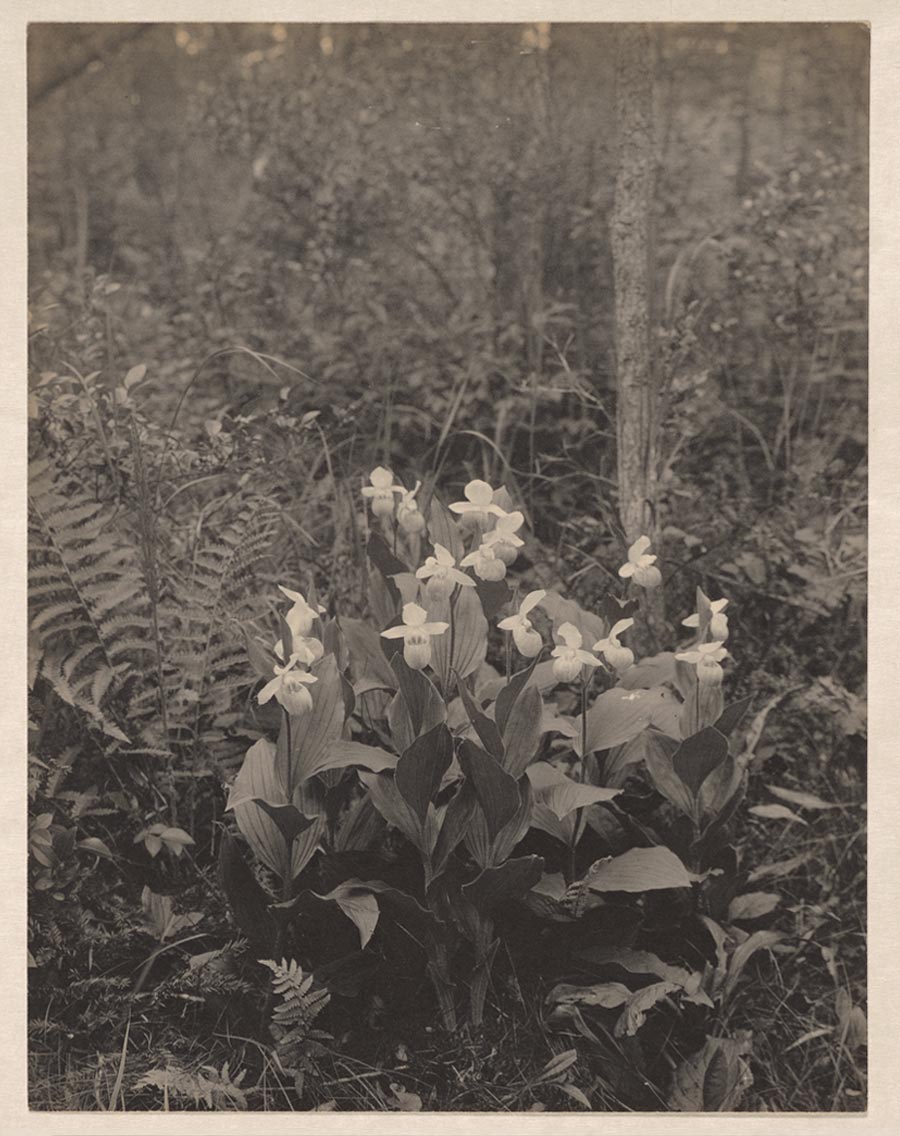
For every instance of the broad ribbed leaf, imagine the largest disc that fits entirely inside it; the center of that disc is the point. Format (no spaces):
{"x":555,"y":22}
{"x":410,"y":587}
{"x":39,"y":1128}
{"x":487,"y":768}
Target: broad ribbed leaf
{"x":381,"y":556}
{"x":657,"y":670}
{"x":497,"y":792}
{"x":344,"y":752}
{"x":635,"y":1012}
{"x":522,"y":735}
{"x":714,"y":1079}
{"x":360,"y":906}
{"x":313,"y":732}
{"x":639,"y":869}
{"x":607,"y":995}
{"x":505,"y":882}
{"x":456,"y":820}
{"x":485,"y":727}
{"x":469,"y":637}
{"x":698,"y":756}
{"x":488,"y":851}
{"x":658,"y":753}
{"x":618,"y":715}
{"x":443,"y":529}
{"x":493,"y":594}
{"x":367,"y":657}
{"x":290,"y":821}
{"x":387,"y":799}
{"x":422,"y":767}
{"x":421,"y":701}
{"x":507,"y":697}
{"x":733,"y":715}
{"x":560,"y":794}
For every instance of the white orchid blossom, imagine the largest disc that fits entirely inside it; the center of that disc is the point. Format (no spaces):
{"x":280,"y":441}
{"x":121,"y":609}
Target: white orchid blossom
{"x":381,"y":491}
{"x":708,"y":659}
{"x":718,"y":624}
{"x":416,"y":634}
{"x":612,"y":650}
{"x":302,"y":615}
{"x":486,"y":563}
{"x":441,"y":574}
{"x":288,"y":687}
{"x":640,"y":565}
{"x":502,"y":538}
{"x":409,"y":515}
{"x":568,"y":656}
{"x":478,"y":505}
{"x":528,"y":642}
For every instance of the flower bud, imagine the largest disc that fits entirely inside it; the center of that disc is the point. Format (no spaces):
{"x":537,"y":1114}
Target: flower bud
{"x":647,"y":576}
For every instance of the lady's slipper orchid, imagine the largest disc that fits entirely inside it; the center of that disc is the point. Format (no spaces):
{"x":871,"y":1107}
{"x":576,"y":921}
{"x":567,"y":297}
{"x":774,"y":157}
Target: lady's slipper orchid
{"x":502,"y":538}
{"x":718,"y":623}
{"x":305,"y":650}
{"x":382,"y":491}
{"x":416,"y":635}
{"x":641,"y":565}
{"x":708,"y":658}
{"x":478,"y":505}
{"x":288,"y":687}
{"x":528,"y":642}
{"x":409,"y":515}
{"x":441,"y":574}
{"x":301,"y":616}
{"x":568,"y":657}
{"x":611,"y":649}
{"x":487,"y":563}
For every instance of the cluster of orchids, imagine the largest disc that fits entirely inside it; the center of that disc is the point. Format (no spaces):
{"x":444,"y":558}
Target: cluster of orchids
{"x":495,"y":544}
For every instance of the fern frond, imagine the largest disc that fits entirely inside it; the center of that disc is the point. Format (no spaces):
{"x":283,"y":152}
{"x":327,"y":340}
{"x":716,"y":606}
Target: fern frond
{"x":301,"y":1003}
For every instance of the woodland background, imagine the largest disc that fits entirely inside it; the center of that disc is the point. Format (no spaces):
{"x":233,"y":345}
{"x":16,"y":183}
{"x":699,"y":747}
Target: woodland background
{"x":266,"y":258}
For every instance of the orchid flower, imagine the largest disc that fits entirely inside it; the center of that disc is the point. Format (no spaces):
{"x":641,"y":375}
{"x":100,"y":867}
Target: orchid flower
{"x":568,"y":659}
{"x":382,"y":491}
{"x":718,"y":624}
{"x":708,"y":658}
{"x":409,"y":515}
{"x":641,"y":565}
{"x":288,"y":687}
{"x":487,"y":563}
{"x":301,"y":616}
{"x":441,"y":574}
{"x":612,"y":650}
{"x":478,"y":505}
{"x":416,"y":634}
{"x":503,"y":537}
{"x":528,"y":642}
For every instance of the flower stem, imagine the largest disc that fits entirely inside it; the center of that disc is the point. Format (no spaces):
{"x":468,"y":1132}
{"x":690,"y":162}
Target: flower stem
{"x":450,"y":668}
{"x":508,"y":655}
{"x":583,"y":718}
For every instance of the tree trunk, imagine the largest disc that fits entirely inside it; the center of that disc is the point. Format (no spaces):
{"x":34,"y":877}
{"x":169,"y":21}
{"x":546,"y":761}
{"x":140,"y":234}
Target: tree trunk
{"x":637,"y":413}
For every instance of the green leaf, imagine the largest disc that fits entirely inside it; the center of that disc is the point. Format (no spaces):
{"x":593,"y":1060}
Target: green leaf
{"x":422,"y":767}
{"x":560,"y":794}
{"x":358,"y":903}
{"x":506,"y":882}
{"x":262,"y":660}
{"x":803,"y":800}
{"x":313,"y":733}
{"x":758,"y":941}
{"x":508,"y":696}
{"x":635,"y":1013}
{"x":367,"y":657}
{"x":497,"y":792}
{"x":658,"y":753}
{"x":290,"y":821}
{"x":454,"y":825}
{"x":733,"y":715}
{"x":389,"y":802}
{"x":657,"y":670}
{"x":469,"y":637}
{"x":522,"y":734}
{"x":423,"y":705}
{"x":485,"y":728}
{"x":494,"y":594}
{"x":443,"y":529}
{"x":714,"y":1079}
{"x":248,"y":902}
{"x":344,"y":752}
{"x":618,"y":715}
{"x":381,"y":556}
{"x":698,"y":756}
{"x":752,"y":905}
{"x":640,"y":869}
{"x":606,"y":995}
{"x":719,"y":787}
{"x":776,"y":812}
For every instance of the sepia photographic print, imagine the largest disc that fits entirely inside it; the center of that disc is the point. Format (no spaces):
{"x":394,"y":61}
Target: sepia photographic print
{"x":447,"y":567}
